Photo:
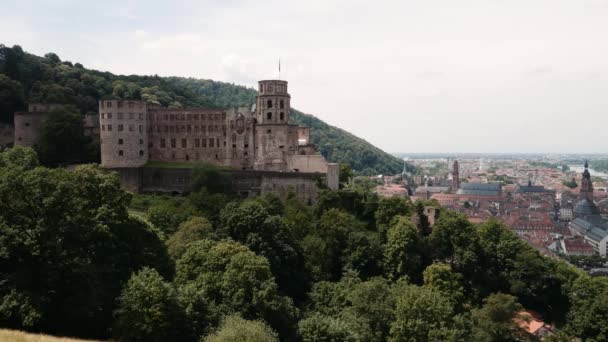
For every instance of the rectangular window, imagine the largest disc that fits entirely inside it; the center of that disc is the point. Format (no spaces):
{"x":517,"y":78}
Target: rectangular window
{"x":109,"y":104}
{"x":166,"y":129}
{"x":189,"y":128}
{"x":103,"y":115}
{"x":131,"y":128}
{"x":204,"y":141}
{"x":195,"y":116}
{"x":109,"y":115}
{"x":131,"y":116}
{"x":109,"y":127}
{"x":120,"y":116}
{"x":103,"y":127}
{"x":120,"y":141}
{"x":163,"y":143}
{"x":171,"y":117}
{"x":197,"y":143}
{"x":173,"y":144}
{"x":184,"y":143}
{"x":120,"y":153}
{"x":171,"y":129}
{"x":211,"y":142}
{"x":121,"y":127}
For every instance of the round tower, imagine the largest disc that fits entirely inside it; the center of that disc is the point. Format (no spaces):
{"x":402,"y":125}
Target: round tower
{"x":123,"y":133}
{"x":272,"y":102}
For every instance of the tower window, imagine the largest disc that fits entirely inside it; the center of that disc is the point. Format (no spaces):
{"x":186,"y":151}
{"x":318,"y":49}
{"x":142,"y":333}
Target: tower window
{"x":141,"y":153}
{"x":269,"y":104}
{"x":282,"y":116}
{"x":120,"y":153}
{"x":269,"y":116}
{"x":120,"y":142}
{"x":141,"y":141}
{"x":282,"y":104}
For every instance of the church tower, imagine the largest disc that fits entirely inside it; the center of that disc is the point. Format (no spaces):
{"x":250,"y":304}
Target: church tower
{"x":586,"y":184}
{"x":455,"y":176}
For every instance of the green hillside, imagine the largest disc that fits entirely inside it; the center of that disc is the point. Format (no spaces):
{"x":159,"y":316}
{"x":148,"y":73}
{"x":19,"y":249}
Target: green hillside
{"x":28,"y":78}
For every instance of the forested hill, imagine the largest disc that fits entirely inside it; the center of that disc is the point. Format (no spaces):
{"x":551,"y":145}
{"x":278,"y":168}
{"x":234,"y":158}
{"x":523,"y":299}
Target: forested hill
{"x":28,"y":78}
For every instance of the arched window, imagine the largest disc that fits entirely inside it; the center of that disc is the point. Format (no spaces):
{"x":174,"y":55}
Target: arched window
{"x":282,"y":116}
{"x":269,"y":104}
{"x":269,"y":116}
{"x":282,"y":104}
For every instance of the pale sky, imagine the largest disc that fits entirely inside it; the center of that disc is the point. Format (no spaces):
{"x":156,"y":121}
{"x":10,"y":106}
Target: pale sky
{"x":408,"y":76}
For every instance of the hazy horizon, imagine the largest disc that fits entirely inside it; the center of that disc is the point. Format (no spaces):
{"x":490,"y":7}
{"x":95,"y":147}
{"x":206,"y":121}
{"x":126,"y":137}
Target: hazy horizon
{"x":473,"y":76}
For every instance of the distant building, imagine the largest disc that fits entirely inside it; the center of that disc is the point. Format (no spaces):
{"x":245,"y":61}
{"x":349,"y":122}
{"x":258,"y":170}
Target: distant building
{"x":480,"y":189}
{"x":529,"y":188}
{"x":587,"y":221}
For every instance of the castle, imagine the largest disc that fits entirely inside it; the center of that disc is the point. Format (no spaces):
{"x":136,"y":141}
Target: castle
{"x":258,"y":147}
{"x":272,"y":155}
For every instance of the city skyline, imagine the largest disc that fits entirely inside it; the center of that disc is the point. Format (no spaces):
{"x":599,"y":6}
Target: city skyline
{"x":485,"y":77}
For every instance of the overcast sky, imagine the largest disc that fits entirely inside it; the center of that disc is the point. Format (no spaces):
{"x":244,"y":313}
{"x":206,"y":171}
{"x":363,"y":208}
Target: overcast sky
{"x":411,"y":76}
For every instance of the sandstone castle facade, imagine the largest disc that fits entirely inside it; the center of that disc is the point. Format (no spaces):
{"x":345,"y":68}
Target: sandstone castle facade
{"x":258,"y":146}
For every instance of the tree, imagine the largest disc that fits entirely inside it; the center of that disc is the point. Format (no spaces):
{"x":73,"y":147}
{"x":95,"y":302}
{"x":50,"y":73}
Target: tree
{"x":346,"y":173}
{"x":62,"y":140}
{"x":402,"y":251}
{"x":12,"y":98}
{"x":195,"y":229}
{"x":588,"y":316}
{"x":19,"y":157}
{"x":325,"y":248}
{"x":230,"y":278}
{"x":389,"y":208}
{"x":495,"y":321}
{"x":455,"y":241}
{"x":441,"y":278}
{"x":237,"y":329}
{"x":168,"y":216}
{"x":422,"y":314}
{"x":67,"y":246}
{"x":318,"y":327}
{"x":147,"y":310}
{"x":252,"y":225}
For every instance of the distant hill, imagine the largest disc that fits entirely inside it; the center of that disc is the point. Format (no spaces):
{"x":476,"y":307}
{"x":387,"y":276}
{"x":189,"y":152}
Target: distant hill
{"x":28,"y":78}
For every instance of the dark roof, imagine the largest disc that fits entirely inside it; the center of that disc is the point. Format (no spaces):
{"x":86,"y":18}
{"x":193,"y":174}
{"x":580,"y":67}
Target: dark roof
{"x":531,"y":188}
{"x":482,"y":189}
{"x":585,"y":207}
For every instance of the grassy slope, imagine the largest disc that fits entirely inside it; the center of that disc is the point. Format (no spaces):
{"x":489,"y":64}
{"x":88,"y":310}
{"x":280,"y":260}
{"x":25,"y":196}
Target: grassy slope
{"x":19,"y":336}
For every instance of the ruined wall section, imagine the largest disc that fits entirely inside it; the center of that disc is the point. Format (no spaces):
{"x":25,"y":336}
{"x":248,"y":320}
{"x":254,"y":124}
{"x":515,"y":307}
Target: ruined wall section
{"x":123,"y":133}
{"x":28,"y":126}
{"x":189,"y":134}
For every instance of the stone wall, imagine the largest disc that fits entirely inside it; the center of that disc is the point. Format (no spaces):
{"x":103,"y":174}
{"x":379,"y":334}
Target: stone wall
{"x":28,"y":126}
{"x":245,"y":183}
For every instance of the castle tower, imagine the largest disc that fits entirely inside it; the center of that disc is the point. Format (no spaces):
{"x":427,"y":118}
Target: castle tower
{"x":123,"y":133}
{"x":274,"y":138}
{"x":455,"y":176}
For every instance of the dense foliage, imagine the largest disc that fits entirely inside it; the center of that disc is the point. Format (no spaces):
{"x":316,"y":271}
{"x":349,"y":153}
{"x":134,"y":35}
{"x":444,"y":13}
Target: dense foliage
{"x":25,"y":78}
{"x":74,"y":260}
